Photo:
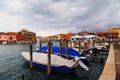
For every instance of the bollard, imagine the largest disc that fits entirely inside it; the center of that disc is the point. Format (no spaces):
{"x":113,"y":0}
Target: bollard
{"x":61,"y":48}
{"x":31,"y":66}
{"x":40,"y":46}
{"x":67,"y":57}
{"x":49,"y":58}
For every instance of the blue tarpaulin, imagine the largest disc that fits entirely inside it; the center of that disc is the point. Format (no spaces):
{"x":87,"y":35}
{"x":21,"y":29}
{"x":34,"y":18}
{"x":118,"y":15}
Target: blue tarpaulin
{"x":56,"y":50}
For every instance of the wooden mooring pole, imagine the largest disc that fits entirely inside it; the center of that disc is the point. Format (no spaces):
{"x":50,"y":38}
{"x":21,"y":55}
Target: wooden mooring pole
{"x":79,"y":45}
{"x":101,"y":60}
{"x":74,"y":44}
{"x":40,"y":46}
{"x":67,"y":50}
{"x":61,"y":48}
{"x":71,"y":44}
{"x":63,"y":43}
{"x":86,"y":45}
{"x":31,"y":57}
{"x":22,"y":78}
{"x":49,"y":58}
{"x":93,"y":44}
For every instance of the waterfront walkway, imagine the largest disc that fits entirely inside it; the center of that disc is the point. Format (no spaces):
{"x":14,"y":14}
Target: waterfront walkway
{"x":111,"y":69}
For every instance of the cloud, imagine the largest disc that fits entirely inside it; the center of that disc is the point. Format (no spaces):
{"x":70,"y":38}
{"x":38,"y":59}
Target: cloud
{"x":48,"y":17}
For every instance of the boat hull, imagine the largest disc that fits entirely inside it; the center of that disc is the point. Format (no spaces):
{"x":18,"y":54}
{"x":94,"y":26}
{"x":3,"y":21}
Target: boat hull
{"x":54,"y":68}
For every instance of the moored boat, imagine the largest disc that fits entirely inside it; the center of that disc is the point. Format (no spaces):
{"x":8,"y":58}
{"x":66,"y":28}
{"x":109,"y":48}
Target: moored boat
{"x":57,"y":63}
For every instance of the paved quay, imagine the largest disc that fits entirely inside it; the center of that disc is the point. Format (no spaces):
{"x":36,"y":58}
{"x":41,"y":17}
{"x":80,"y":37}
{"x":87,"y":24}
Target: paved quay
{"x":111,"y":69}
{"x":117,"y":60}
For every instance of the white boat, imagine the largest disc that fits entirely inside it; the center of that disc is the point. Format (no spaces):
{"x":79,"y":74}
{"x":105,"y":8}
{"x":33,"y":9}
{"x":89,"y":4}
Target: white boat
{"x":4,"y":43}
{"x":57,"y":63}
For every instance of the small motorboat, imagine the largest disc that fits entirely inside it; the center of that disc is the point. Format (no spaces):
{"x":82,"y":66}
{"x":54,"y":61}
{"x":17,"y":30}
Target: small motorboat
{"x":57,"y":63}
{"x":4,"y":43}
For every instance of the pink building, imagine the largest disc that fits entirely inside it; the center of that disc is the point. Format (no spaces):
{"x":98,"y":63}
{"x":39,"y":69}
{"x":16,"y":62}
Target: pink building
{"x":23,"y":36}
{"x":8,"y":37}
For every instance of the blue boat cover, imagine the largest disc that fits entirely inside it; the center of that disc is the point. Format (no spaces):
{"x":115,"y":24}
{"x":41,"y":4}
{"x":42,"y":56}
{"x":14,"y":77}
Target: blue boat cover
{"x":56,"y":50}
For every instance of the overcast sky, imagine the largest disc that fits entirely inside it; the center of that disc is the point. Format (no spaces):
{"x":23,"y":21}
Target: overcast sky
{"x":48,"y":17}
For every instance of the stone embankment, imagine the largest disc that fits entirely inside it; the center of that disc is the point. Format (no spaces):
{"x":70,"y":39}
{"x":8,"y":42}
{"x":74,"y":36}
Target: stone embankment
{"x":111,"y":69}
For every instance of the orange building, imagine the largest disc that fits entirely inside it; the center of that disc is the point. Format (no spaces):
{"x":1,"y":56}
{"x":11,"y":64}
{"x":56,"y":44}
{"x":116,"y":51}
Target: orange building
{"x":51,"y":37}
{"x":68,"y":36}
{"x":86,"y":33}
{"x":107,"y":36}
{"x":115,"y":30}
{"x":60,"y":37}
{"x":28,"y":36}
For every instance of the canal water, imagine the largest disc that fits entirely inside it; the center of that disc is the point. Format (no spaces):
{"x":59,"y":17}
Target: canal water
{"x":13,"y":65}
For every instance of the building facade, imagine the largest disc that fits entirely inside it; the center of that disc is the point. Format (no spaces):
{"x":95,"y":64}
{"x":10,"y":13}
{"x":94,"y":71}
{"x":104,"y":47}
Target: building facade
{"x":86,"y":33}
{"x":28,"y":36}
{"x":115,"y":30}
{"x":9,"y":37}
{"x":108,"y":36}
{"x":23,"y":36}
